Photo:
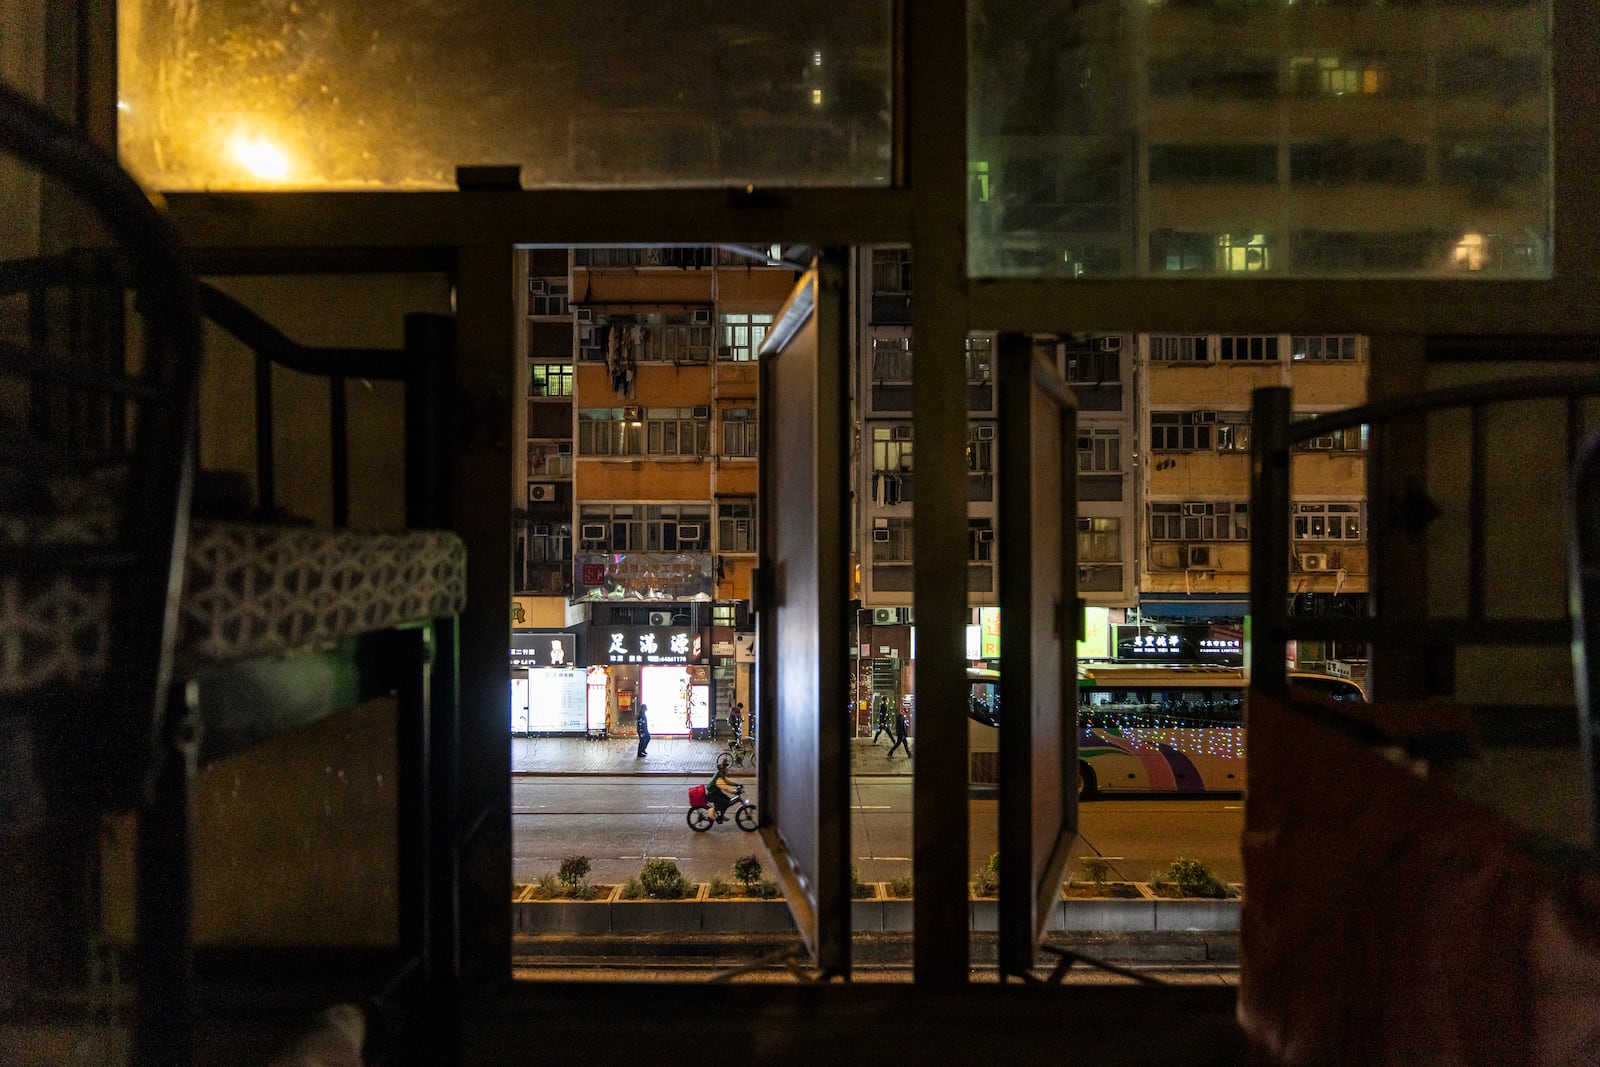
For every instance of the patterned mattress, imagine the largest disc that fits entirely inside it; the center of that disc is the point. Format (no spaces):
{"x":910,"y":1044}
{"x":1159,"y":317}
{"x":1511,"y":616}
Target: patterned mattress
{"x":249,"y":590}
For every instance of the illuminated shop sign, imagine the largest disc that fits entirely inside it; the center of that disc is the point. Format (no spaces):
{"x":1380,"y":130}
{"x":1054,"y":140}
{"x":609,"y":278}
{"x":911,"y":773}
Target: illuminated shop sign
{"x":543,"y":650}
{"x":653,"y":645}
{"x":1180,"y":644}
{"x":667,"y":576}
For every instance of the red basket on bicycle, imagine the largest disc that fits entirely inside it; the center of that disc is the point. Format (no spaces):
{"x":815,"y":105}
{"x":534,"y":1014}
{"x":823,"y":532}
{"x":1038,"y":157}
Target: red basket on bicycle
{"x":697,"y":796}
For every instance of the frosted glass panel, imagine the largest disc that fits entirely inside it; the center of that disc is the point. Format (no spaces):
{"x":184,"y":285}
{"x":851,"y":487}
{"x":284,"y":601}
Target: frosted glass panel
{"x":1241,"y":138}
{"x":348,"y":94}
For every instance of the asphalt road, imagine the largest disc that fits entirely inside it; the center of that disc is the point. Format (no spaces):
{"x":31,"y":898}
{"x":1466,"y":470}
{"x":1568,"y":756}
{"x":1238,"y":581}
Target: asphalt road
{"x":619,"y":822}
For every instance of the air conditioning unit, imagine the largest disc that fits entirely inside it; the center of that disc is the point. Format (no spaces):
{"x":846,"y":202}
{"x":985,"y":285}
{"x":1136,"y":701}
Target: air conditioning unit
{"x":537,"y":287}
{"x":689,"y":531}
{"x":1313,"y":561}
{"x":594,"y":531}
{"x":563,"y":448}
{"x":1108,"y":344}
{"x":986,"y":535}
{"x":702,"y":411}
{"x":885,"y":616}
{"x":1198,"y":556}
{"x":633,"y":414}
{"x":1205,"y":416}
{"x":583,"y":314}
{"x":986,"y":433}
{"x":700,"y":317}
{"x":901,"y":433}
{"x":539,"y":492}
{"x":661,"y":618}
{"x":881,"y":534}
{"x":1193,"y":507}
{"x":542,"y":530}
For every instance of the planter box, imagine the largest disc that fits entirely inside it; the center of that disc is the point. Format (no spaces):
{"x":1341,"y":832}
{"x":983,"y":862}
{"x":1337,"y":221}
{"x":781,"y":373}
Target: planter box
{"x":866,"y":913}
{"x":1197,"y":914}
{"x":734,"y":915}
{"x":897,"y":913}
{"x":645,"y":916}
{"x":559,"y":916}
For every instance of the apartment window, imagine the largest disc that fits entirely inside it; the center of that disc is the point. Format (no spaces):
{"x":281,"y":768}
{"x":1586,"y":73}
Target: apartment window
{"x":724,"y":615}
{"x":677,"y":432}
{"x":1179,"y":250}
{"x":736,"y":526}
{"x":980,"y":541}
{"x":891,"y":359}
{"x":1491,"y":159}
{"x":611,"y":528}
{"x":742,"y":336}
{"x":1236,"y":164}
{"x":891,"y":270}
{"x":1099,"y":539}
{"x":1215,"y":75}
{"x":591,"y":344}
{"x":891,"y":448}
{"x":980,"y":449}
{"x":1098,"y":360}
{"x":980,"y":359}
{"x":1323,"y":348}
{"x":1262,"y":349}
{"x":1486,"y":72}
{"x":610,"y":432}
{"x":1243,"y":252}
{"x":1233,"y":431}
{"x":677,"y":341}
{"x":1346,"y":252}
{"x":1100,"y":451}
{"x":549,"y":542}
{"x":547,"y":296}
{"x":1181,"y":431}
{"x":739,"y":436}
{"x":1339,"y":76}
{"x":1341,"y":163}
{"x":1200,"y":521}
{"x":1177,"y":349}
{"x":1328,"y":521}
{"x":549,"y":379}
{"x":891,"y":540}
{"x":677,"y":528}
{"x":1347,"y":439}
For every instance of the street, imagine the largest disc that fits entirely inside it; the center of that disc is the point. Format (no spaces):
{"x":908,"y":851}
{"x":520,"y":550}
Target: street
{"x":618,"y":822}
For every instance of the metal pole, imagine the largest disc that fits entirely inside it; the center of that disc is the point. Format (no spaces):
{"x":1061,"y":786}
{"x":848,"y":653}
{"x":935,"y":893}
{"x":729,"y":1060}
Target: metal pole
{"x":1269,"y":540}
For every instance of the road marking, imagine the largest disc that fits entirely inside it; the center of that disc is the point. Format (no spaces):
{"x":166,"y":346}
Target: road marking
{"x":663,"y":807}
{"x":1232,"y":807}
{"x":902,"y":859}
{"x":871,"y":807}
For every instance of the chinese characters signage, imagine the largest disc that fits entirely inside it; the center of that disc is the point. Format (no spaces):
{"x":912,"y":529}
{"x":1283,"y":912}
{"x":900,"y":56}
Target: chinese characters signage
{"x":642,"y":576}
{"x":1181,"y":644}
{"x":543,"y":650}
{"x":653,"y":644}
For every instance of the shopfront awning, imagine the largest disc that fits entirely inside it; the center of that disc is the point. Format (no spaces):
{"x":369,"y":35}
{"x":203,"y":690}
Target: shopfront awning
{"x":1184,"y":607}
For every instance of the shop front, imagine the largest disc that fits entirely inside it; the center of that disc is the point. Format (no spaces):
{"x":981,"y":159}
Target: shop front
{"x":549,"y":687}
{"x":665,"y":668}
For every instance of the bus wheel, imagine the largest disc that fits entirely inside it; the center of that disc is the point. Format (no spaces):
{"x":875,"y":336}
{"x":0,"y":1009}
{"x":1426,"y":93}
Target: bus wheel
{"x":1085,"y":781}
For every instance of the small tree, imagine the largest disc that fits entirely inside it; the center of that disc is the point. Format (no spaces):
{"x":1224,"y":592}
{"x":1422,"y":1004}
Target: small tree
{"x":986,"y":879}
{"x":1096,"y":868}
{"x":859,"y":890}
{"x":747,"y":870}
{"x":574,"y":869}
{"x":1193,"y":878}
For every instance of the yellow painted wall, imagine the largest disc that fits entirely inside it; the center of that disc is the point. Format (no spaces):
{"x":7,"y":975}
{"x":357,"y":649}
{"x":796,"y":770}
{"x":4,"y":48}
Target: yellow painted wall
{"x":1328,"y":386}
{"x":753,"y":290}
{"x":738,"y":478}
{"x":539,"y":612}
{"x":643,"y":480}
{"x":1218,"y":386}
{"x":738,"y":381}
{"x":643,"y":288}
{"x":1199,"y":475}
{"x":736,"y":583}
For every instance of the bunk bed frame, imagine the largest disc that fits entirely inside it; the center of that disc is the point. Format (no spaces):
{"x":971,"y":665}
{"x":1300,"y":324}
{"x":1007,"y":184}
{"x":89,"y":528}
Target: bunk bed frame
{"x":146,"y":631}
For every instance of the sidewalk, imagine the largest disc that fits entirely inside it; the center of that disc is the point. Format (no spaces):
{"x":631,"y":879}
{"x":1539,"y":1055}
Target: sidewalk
{"x":677,"y":756}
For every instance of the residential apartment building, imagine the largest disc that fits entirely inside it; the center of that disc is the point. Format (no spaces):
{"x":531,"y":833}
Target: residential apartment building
{"x":637,"y":535}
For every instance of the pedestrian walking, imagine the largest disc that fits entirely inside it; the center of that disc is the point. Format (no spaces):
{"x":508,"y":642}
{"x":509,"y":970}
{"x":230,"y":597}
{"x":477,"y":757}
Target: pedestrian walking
{"x":881,"y":718}
{"x":902,"y":734}
{"x":642,"y":726}
{"x":736,"y":720}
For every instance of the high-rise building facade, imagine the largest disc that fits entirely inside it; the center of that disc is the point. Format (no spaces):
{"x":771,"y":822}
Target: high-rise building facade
{"x":637,"y":534}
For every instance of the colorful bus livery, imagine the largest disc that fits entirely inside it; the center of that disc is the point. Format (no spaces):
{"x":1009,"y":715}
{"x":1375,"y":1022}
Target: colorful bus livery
{"x":1160,"y":730}
{"x":1145,"y":728}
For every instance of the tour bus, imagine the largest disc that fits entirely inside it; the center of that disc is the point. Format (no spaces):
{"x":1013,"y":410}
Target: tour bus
{"x":1144,"y":728}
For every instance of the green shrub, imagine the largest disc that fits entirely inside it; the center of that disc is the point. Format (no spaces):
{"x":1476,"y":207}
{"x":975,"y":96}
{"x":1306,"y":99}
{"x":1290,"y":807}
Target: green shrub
{"x":550,"y":886}
{"x":859,"y":890}
{"x":574,"y":869}
{"x":1095,"y":869}
{"x":901,"y":887}
{"x":662,"y":880}
{"x":747,"y":870}
{"x":1192,"y":878}
{"x":986,"y":879}
{"x":766,"y":889}
{"x":718,"y":887}
{"x":632,"y":889}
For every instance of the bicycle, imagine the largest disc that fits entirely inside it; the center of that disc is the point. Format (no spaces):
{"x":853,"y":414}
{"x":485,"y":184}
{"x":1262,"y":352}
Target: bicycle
{"x":701,"y":816}
{"x":737,"y":751}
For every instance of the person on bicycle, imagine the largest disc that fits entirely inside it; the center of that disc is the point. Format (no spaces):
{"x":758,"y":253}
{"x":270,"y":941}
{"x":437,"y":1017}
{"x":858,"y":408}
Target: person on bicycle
{"x":720,"y":791}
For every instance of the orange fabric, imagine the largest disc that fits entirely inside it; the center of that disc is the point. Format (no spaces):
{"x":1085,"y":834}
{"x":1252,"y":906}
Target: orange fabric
{"x":1387,"y":920}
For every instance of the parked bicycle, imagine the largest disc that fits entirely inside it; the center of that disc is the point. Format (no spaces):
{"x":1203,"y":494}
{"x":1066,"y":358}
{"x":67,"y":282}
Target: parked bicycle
{"x":737,"y":753}
{"x":702,"y":817}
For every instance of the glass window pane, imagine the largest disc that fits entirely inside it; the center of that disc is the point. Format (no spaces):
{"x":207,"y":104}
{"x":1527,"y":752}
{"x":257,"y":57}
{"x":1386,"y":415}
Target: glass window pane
{"x":346,"y":94}
{"x":1230,"y":138}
